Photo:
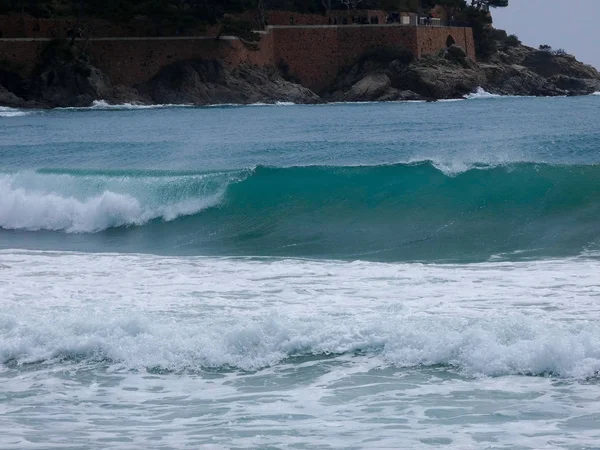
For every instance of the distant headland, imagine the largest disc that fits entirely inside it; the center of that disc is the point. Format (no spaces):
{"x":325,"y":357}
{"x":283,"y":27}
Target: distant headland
{"x":246,"y":51}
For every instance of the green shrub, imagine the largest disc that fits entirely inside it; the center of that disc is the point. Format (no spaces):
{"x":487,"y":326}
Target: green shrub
{"x":512,"y":41}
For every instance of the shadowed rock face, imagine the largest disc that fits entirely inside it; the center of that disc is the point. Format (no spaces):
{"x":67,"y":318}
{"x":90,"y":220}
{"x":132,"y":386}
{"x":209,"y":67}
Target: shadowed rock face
{"x":73,"y":84}
{"x":77,"y":83}
{"x":516,"y":70}
{"x":67,"y":78}
{"x":208,"y":82}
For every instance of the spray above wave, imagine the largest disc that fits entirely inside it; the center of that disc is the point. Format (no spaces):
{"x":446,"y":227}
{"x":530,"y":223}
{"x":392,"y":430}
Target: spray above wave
{"x":90,"y":202}
{"x":481,"y":94}
{"x":389,"y":213}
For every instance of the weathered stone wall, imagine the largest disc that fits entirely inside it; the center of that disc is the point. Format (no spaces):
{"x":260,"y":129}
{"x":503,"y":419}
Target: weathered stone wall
{"x":313,"y":54}
{"x":22,"y":56}
{"x":131,"y":62}
{"x":432,"y":39}
{"x":316,"y":55}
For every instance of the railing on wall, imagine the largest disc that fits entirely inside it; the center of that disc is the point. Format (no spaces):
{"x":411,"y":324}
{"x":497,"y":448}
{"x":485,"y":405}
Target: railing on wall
{"x":424,"y":21}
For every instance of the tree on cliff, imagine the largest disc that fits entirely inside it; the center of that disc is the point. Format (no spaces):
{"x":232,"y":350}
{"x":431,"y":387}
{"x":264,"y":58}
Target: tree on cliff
{"x":487,"y":4}
{"x":241,"y":29}
{"x":477,"y":17}
{"x":351,"y":4}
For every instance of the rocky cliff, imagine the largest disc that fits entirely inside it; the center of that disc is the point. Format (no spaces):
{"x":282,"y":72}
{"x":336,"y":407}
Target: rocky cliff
{"x":515,"y":70}
{"x":66,"y":77}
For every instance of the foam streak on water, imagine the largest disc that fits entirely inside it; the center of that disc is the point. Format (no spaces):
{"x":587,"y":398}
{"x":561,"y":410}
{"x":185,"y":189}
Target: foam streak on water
{"x":11,"y":112}
{"x":327,"y":339}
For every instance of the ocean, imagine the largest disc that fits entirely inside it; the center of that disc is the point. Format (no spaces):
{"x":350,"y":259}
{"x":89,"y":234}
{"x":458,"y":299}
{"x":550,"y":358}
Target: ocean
{"x":375,"y":275}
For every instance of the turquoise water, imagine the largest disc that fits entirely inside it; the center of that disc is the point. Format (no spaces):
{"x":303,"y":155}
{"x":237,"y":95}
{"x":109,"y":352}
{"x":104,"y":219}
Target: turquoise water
{"x":402,"y":275}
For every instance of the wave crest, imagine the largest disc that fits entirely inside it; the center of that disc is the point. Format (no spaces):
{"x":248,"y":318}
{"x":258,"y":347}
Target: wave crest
{"x":32,"y":209}
{"x":514,"y":345}
{"x":422,"y":211}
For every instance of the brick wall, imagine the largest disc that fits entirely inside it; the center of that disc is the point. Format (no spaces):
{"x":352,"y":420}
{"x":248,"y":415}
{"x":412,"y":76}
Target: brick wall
{"x":316,"y":55}
{"x":136,"y":61}
{"x":432,"y":39}
{"x":23,"y":56}
{"x":313,"y":54}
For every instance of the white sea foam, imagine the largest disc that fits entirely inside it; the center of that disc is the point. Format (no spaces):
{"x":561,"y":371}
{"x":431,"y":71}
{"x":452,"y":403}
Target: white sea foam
{"x":11,"y":112}
{"x":596,"y":93}
{"x":38,"y":202}
{"x":488,"y":346}
{"x":101,"y":104}
{"x":525,"y":318}
{"x":481,"y":94}
{"x":425,"y":355}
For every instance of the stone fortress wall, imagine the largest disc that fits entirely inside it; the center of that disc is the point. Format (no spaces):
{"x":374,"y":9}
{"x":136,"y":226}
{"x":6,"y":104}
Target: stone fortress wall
{"x":313,"y":53}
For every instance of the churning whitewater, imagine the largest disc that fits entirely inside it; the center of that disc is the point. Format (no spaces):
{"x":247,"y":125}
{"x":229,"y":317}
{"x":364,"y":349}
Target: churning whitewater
{"x":405,"y":275}
{"x":282,"y":320}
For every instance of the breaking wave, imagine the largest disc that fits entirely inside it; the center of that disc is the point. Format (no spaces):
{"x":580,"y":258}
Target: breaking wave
{"x":513,"y":345}
{"x":481,"y":94}
{"x":91,"y":202}
{"x":391,"y":213}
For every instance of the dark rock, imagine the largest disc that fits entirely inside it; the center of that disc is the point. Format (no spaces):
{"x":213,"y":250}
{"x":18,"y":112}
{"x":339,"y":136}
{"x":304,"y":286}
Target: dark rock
{"x":438,"y":78}
{"x":66,"y":77}
{"x":549,"y":64}
{"x":374,"y":87}
{"x":450,"y":74}
{"x":576,"y":86}
{"x":77,"y":83}
{"x":514,"y":70}
{"x":455,"y":53}
{"x":119,"y":95}
{"x":13,"y":81}
{"x":371,"y":87}
{"x":202,"y":82}
{"x":394,"y":95}
{"x":516,"y":80}
{"x":9,"y":99}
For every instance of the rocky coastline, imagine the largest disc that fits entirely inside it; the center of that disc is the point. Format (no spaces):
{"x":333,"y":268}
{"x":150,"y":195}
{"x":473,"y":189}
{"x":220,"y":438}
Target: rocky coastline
{"x":67,"y":78}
